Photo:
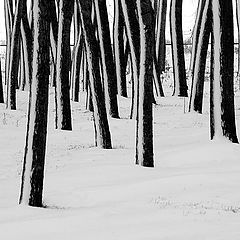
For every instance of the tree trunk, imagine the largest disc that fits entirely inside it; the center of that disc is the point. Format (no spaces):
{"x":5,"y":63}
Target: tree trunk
{"x":63,"y":107}
{"x":179,"y":72}
{"x":102,"y":136}
{"x":1,"y":84}
{"x":238,"y":26}
{"x":118,"y":42}
{"x":34,"y":156}
{"x":222,"y":115}
{"x":204,"y":23}
{"x":160,"y":37}
{"x":108,"y":65}
{"x":133,"y":35}
{"x":144,"y":138}
{"x":14,"y":58}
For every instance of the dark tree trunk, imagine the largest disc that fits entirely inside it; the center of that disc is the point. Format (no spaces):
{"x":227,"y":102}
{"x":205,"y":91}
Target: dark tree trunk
{"x":8,"y":12}
{"x":14,"y":58}
{"x":179,"y":71}
{"x":160,"y":41}
{"x":222,"y":115}
{"x":63,"y":107}
{"x":35,"y":148}
{"x":204,"y":23}
{"x":27,"y":45}
{"x":53,"y":40}
{"x":102,"y":136}
{"x":144,"y":138}
{"x":238,"y":26}
{"x":108,"y":65}
{"x":1,"y":84}
{"x":118,"y":42}
{"x":76,"y":55}
{"x":133,"y":35}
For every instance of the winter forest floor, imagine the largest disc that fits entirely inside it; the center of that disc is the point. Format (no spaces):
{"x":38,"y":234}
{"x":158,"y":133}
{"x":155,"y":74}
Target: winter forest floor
{"x":90,"y":193}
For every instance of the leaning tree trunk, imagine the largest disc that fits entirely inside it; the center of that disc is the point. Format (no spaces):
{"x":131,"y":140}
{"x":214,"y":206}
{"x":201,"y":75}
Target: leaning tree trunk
{"x":204,"y":25}
{"x":222,"y":115}
{"x":133,"y":35}
{"x":27,"y":45}
{"x":102,"y":133}
{"x":108,"y":65}
{"x":14,"y":58}
{"x":144,"y":138}
{"x":195,"y":33}
{"x":179,"y":72}
{"x":118,"y":43}
{"x":63,"y":107}
{"x":35,"y":148}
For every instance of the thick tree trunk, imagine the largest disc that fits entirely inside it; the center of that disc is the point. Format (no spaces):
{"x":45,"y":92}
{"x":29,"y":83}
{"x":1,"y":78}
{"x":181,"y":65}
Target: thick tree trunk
{"x":144,"y":138}
{"x":222,"y":115}
{"x":108,"y":65}
{"x":102,"y":136}
{"x":204,"y":23}
{"x":179,"y":71}
{"x":63,"y":107}
{"x":118,"y":42}
{"x":34,"y":156}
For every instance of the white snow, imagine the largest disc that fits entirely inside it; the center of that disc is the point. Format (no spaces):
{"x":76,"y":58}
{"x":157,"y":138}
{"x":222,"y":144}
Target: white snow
{"x":90,"y":193}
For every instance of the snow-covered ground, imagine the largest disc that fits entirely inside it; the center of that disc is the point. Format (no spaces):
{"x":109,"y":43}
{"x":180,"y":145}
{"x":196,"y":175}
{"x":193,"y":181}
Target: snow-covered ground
{"x":90,"y":193}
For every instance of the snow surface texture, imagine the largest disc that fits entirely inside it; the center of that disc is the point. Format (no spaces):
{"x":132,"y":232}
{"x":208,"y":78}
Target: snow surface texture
{"x":90,"y":193}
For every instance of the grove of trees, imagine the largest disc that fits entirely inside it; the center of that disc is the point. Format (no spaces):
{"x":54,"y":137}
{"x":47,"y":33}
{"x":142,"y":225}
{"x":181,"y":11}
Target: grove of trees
{"x":39,"y":56}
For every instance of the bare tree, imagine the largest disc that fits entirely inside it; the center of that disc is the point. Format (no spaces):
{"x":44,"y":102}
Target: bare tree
{"x":144,"y":138}
{"x":35,"y":148}
{"x":180,"y":83}
{"x":63,"y":107}
{"x":102,"y":132}
{"x":222,"y":115}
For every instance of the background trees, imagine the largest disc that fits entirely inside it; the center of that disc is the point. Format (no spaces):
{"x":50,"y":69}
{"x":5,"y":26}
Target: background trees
{"x":98,"y":64}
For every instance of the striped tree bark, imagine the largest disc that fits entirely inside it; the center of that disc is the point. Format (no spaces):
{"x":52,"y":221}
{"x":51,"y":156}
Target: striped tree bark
{"x":62,"y":96}
{"x":14,"y":57}
{"x":35,"y":148}
{"x":179,"y":72}
{"x":199,"y":55}
{"x":118,"y":43}
{"x":133,"y":35}
{"x":107,"y":61}
{"x":102,"y":132}
{"x":144,"y":138}
{"x":222,"y":115}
